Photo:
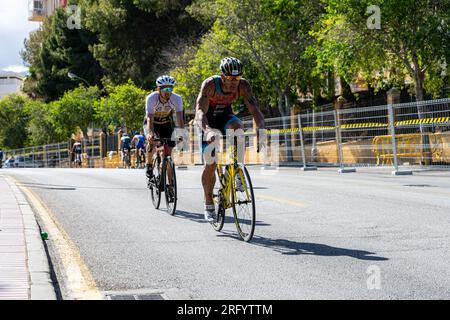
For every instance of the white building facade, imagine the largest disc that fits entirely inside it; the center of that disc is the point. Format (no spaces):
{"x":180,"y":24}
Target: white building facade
{"x":41,"y":9}
{"x":10,"y":82}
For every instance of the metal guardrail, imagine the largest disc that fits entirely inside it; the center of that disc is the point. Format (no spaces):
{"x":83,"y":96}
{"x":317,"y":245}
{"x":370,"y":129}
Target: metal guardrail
{"x":391,"y":135}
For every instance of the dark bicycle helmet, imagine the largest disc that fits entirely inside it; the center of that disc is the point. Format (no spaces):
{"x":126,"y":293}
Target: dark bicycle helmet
{"x":231,"y":66}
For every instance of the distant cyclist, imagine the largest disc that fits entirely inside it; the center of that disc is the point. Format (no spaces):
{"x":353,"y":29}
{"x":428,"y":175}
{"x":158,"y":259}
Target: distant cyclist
{"x":213,"y":111}
{"x":77,"y":151}
{"x":1,"y":158}
{"x":160,"y":106}
{"x":125,"y":144}
{"x":138,"y":141}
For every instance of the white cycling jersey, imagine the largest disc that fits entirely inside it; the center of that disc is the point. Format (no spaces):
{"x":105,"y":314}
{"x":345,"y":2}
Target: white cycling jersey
{"x":163,"y":111}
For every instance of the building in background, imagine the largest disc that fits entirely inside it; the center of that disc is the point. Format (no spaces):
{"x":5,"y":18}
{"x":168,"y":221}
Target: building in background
{"x":10,"y":82}
{"x":41,"y":9}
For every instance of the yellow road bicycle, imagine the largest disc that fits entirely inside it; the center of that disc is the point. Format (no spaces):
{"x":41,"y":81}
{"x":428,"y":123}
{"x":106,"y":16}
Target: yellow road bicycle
{"x":234,"y":190}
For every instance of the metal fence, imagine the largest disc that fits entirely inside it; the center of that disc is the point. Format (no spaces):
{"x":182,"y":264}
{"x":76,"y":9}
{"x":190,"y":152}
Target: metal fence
{"x":57,"y":155}
{"x":411,"y":134}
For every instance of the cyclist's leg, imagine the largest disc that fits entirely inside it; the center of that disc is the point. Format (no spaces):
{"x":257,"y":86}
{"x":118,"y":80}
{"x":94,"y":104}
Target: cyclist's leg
{"x":78,"y":159}
{"x":234,"y":124}
{"x":168,"y":135}
{"x":209,"y":170}
{"x":150,"y":151}
{"x":138,"y":157}
{"x":141,"y":156}
{"x":209,"y":180}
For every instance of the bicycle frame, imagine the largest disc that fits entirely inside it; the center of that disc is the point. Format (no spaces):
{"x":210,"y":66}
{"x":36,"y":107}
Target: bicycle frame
{"x":163,"y":150}
{"x":226,"y":181}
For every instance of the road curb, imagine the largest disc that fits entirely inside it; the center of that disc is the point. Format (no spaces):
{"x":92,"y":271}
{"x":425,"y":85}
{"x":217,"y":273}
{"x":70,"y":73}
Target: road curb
{"x":41,"y":284}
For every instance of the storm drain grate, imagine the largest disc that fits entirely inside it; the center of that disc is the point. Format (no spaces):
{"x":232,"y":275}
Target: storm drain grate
{"x":135,"y":297}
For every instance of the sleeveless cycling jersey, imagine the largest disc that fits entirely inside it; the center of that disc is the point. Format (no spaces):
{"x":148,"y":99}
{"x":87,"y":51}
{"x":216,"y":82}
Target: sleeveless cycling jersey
{"x":162,"y":112}
{"x":221,"y":99}
{"x":220,"y":114}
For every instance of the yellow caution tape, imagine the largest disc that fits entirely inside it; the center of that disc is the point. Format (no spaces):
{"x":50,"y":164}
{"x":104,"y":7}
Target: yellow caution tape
{"x":363,"y":125}
{"x":318,"y":128}
{"x":420,"y":121}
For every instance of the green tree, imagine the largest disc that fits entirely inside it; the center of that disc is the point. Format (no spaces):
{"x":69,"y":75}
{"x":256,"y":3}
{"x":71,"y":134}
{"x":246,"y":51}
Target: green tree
{"x":413,"y":38}
{"x":75,"y":110}
{"x":41,"y":129}
{"x":138,"y":39}
{"x":123,"y":106}
{"x":54,"y":50}
{"x":13,"y":121}
{"x":270,"y":36}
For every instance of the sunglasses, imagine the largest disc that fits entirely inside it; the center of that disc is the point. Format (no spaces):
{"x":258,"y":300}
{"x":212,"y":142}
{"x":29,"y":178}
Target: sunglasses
{"x":233,"y":78}
{"x":166,"y":89}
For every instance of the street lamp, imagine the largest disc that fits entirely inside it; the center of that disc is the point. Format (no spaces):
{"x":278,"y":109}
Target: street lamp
{"x":74,"y":76}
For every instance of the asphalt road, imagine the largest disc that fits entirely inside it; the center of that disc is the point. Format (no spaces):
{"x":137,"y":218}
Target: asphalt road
{"x":319,"y":235}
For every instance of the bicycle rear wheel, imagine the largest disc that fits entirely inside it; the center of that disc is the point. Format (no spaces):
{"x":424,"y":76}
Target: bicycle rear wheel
{"x":129,"y":161}
{"x":170,"y":186}
{"x":217,"y":224}
{"x":243,"y":203}
{"x":154,"y":184}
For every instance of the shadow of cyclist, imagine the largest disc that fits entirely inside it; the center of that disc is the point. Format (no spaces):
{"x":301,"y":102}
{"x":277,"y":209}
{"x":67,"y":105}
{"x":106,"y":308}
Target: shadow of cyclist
{"x":198,"y":217}
{"x":289,"y":247}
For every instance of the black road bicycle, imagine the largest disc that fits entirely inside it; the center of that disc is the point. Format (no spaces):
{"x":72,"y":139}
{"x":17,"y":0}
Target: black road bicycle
{"x":126,"y":158}
{"x":163,"y":178}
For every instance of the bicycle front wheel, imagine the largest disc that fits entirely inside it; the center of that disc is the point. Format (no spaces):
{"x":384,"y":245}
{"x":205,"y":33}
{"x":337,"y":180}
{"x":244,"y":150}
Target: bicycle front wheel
{"x":243,"y":203}
{"x":217,"y":224}
{"x":170,"y":189}
{"x":154,"y":184}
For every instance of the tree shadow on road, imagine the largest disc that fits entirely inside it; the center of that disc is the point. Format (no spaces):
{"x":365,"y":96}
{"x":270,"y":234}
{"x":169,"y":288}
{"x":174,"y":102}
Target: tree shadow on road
{"x":67,"y":187}
{"x":46,"y":186}
{"x":289,"y":247}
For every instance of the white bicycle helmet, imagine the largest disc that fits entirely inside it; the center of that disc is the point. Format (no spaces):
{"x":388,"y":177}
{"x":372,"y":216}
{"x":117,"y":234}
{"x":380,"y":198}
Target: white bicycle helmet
{"x":165,"y":80}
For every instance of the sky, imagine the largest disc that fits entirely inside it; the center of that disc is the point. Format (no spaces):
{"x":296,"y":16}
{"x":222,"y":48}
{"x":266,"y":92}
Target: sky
{"x":14,"y":28}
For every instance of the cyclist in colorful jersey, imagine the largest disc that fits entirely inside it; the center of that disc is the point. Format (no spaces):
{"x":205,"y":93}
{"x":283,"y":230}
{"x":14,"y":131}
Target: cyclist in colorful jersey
{"x":125,"y":144}
{"x":138,"y":141}
{"x":213,"y":111}
{"x":160,"y":107}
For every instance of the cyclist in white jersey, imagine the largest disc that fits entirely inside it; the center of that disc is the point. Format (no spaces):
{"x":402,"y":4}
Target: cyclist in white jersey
{"x":160,"y":106}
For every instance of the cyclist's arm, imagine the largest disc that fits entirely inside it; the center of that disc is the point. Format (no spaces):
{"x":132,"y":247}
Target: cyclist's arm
{"x":250,"y":101}
{"x":150,"y":128}
{"x":202,"y":106}
{"x":180,"y":120}
{"x":149,"y":111}
{"x":179,"y":111}
{"x":134,"y":141}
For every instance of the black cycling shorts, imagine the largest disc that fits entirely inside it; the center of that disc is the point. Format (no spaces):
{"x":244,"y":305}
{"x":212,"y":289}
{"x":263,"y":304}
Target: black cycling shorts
{"x":165,"y":131}
{"x":220,"y":119}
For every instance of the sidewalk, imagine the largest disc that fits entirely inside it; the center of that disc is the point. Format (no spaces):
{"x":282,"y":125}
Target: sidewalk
{"x":24,"y":268}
